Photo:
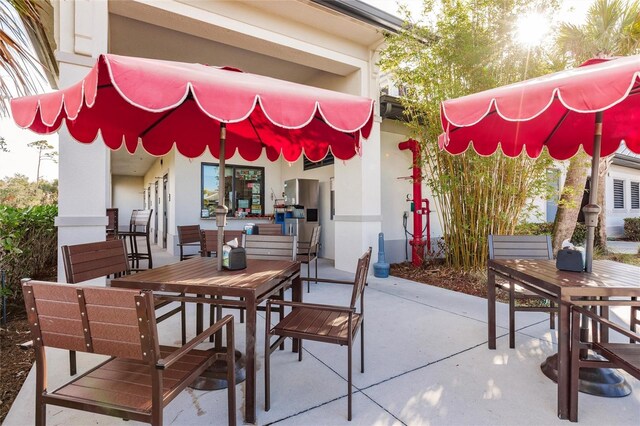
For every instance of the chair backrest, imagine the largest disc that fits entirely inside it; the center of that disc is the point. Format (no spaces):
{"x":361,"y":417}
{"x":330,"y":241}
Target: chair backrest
{"x":270,"y":247}
{"x":209,"y":240}
{"x":140,"y":220}
{"x":99,"y":320}
{"x":84,"y":262}
{"x":269,"y":229}
{"x":188,"y":234}
{"x":361,"y":277}
{"x":520,"y":247}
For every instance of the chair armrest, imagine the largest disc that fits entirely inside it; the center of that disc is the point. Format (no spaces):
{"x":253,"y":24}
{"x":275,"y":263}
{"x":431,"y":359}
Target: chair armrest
{"x":628,"y":333}
{"x":191,"y":344}
{"x":335,"y":308}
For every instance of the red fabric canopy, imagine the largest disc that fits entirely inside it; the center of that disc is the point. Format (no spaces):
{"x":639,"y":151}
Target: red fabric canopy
{"x":162,"y":103}
{"x":556,"y":111}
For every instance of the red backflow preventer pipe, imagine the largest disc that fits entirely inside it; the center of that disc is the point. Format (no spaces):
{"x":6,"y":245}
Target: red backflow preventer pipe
{"x":421,"y":206}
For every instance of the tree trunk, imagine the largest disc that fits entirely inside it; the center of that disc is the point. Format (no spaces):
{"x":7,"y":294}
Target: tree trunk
{"x":601,"y":236}
{"x":570,"y":200}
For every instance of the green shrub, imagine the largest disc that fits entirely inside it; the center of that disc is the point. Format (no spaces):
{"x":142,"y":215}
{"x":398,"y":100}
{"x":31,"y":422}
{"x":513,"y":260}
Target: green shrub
{"x":527,"y":228}
{"x":28,"y":245}
{"x":579,"y":237}
{"x":632,"y":228}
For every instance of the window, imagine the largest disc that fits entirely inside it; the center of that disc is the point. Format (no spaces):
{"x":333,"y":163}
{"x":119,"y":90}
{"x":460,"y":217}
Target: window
{"x":618,"y":194}
{"x":308,"y":164}
{"x":635,"y":195}
{"x":244,"y":190}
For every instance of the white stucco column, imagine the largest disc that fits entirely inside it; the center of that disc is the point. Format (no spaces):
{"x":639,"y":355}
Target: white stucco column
{"x":84,"y":171}
{"x":358,"y":218}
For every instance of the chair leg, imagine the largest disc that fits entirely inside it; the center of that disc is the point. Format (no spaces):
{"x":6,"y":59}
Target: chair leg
{"x":183,"y":320}
{"x":231,"y":375}
{"x":72,"y":363}
{"x":362,"y":347}
{"x":241,"y":313}
{"x":267,"y":364}
{"x":149,"y":251}
{"x":512,"y":316}
{"x":316,"y":261}
{"x":41,"y":410}
{"x":552,"y":316}
{"x":309,"y":275}
{"x":299,"y":350}
{"x":280,"y":315}
{"x":349,"y":377}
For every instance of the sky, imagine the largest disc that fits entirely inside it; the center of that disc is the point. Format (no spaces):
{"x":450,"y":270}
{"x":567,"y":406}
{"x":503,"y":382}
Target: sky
{"x":24,"y":160}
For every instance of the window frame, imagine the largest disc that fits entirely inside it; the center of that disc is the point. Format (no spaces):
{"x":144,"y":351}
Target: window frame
{"x":232,"y":209}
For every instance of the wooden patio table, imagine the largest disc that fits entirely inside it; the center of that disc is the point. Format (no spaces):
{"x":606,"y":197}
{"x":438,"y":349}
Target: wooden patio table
{"x":608,"y":279}
{"x":199,"y":276}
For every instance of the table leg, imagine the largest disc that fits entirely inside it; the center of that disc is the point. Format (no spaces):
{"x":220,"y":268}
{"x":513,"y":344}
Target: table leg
{"x":199,"y":316}
{"x":250,"y":389}
{"x":564,"y":360}
{"x":296,"y":296}
{"x":491,"y":311}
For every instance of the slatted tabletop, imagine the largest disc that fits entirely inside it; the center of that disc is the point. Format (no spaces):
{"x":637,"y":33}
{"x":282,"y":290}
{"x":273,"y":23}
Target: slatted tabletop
{"x":608,"y":279}
{"x":200,"y":276}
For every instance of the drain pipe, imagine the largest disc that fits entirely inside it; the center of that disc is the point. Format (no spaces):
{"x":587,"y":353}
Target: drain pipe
{"x":417,"y":243}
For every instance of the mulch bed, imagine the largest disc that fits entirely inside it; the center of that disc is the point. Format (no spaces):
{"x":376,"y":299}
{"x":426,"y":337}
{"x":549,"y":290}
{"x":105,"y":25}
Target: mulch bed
{"x":15,"y":362}
{"x":436,"y":274}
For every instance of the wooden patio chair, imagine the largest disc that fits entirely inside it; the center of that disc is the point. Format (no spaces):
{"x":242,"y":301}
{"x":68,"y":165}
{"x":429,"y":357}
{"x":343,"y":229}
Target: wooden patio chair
{"x":141,"y":377}
{"x":83,"y":262}
{"x":269,"y":229}
{"x":321,"y":323}
{"x":308,"y":252}
{"x":139,"y":226}
{"x":522,"y":247}
{"x":617,"y":355}
{"x":209,"y":240}
{"x":188,"y":236}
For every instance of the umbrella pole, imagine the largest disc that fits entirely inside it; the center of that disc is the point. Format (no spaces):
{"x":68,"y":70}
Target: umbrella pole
{"x":221,"y":210}
{"x":592,"y":210}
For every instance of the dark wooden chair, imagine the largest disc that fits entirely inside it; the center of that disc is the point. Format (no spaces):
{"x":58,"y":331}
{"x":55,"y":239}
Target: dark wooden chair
{"x":269,"y":229}
{"x":322,"y":323}
{"x":522,"y":247}
{"x":617,"y":355}
{"x":141,"y":377}
{"x":209,"y":240}
{"x":139,"y":226}
{"x":188,"y":236}
{"x":84,"y":262}
{"x":112,"y":224}
{"x":308,"y":252}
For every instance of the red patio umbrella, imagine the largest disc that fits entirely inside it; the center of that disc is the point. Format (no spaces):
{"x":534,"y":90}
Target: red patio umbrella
{"x":161,"y":104}
{"x":594,"y":106}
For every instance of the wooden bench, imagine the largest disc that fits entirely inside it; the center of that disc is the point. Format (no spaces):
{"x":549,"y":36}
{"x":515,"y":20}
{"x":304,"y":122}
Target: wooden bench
{"x":188,"y":236}
{"x":141,"y":377}
{"x":618,"y":355}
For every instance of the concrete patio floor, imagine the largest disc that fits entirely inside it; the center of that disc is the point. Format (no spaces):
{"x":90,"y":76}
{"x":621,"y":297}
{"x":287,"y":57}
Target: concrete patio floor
{"x":426,"y":363}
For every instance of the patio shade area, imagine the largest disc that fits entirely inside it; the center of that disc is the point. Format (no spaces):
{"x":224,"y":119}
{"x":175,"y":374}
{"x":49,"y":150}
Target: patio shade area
{"x":431,"y":367}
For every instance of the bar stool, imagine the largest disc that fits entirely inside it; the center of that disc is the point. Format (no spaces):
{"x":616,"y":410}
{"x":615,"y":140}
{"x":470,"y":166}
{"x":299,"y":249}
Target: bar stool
{"x":139,"y":226}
